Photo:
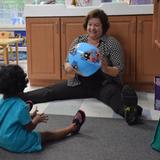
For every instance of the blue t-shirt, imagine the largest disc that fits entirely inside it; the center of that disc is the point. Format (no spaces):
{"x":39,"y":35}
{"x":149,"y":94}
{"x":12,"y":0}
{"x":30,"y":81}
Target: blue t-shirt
{"x":14,"y":115}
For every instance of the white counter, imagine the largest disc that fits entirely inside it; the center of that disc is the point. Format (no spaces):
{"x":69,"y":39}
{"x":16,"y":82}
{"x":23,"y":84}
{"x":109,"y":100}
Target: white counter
{"x":10,"y":27}
{"x":55,"y":10}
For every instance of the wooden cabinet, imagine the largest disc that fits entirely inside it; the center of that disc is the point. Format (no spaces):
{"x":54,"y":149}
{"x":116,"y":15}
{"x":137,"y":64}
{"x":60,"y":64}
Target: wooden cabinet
{"x":156,"y":26}
{"x":70,"y":29}
{"x":141,"y":61}
{"x":146,"y":60}
{"x":48,"y":40}
{"x":43,"y":47}
{"x":123,"y":28}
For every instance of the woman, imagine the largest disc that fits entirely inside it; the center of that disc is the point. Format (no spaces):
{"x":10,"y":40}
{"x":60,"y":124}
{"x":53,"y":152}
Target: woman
{"x":106,"y":83}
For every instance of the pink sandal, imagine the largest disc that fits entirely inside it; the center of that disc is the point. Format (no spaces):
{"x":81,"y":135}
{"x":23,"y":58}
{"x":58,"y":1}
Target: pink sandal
{"x":79,"y":119}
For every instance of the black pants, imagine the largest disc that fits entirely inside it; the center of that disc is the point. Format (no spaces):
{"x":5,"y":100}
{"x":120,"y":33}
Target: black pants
{"x":109,"y":94}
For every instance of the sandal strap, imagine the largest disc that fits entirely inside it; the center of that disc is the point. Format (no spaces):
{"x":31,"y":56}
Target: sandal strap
{"x":79,"y":119}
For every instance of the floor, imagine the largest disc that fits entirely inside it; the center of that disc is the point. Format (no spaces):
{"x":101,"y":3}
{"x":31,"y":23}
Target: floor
{"x":93,"y":107}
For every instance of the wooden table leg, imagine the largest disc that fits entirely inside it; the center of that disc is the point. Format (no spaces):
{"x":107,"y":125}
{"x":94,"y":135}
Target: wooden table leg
{"x":6,"y":61}
{"x":17,"y":53}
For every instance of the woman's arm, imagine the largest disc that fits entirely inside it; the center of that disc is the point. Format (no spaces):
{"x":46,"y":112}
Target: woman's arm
{"x":110,"y":70}
{"x":67,"y":67}
{"x":113,"y":62}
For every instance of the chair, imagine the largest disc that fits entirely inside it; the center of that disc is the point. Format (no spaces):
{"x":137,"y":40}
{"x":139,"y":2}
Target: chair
{"x":5,"y":35}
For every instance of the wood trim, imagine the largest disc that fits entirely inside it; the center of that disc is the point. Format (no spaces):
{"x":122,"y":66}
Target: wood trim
{"x":156,"y":24}
{"x":157,"y":43}
{"x":44,"y":83}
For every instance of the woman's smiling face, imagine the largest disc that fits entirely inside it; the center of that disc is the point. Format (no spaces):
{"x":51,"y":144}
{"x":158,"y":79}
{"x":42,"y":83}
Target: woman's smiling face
{"x":94,"y":28}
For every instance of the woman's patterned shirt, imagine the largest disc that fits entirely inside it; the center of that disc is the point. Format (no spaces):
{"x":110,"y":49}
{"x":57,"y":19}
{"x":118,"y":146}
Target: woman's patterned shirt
{"x":111,"y":49}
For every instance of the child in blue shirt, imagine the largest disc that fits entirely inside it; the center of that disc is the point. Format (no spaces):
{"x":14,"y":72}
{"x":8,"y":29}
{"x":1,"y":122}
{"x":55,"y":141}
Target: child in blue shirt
{"x":16,"y":124}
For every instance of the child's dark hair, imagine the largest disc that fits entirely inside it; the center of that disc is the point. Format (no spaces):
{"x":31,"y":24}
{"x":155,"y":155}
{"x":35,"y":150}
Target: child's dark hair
{"x":12,"y":80}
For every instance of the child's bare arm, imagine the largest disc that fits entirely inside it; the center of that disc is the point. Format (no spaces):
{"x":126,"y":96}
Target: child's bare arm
{"x":38,"y":118}
{"x":34,"y":113}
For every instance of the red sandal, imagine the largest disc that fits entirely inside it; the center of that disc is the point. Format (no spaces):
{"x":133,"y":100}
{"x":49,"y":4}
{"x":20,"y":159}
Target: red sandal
{"x":79,"y":119}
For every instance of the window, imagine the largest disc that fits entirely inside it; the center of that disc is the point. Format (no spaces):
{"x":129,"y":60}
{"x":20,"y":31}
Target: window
{"x":11,"y":11}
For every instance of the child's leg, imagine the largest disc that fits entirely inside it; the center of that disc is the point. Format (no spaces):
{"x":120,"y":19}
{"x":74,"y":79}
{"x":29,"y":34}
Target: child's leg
{"x":48,"y":136}
{"x":73,"y":128}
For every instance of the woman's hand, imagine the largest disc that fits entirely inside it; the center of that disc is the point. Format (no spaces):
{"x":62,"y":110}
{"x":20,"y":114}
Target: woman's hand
{"x":110,"y":70}
{"x":104,"y":63}
{"x":70,"y":70}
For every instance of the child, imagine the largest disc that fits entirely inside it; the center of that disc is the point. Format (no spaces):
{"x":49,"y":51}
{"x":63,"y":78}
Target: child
{"x":17,"y":125}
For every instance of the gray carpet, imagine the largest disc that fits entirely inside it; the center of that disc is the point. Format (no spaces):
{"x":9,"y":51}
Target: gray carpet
{"x":99,"y":139}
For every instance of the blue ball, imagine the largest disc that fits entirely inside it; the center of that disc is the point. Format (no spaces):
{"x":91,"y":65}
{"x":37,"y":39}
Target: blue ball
{"x":84,"y":58}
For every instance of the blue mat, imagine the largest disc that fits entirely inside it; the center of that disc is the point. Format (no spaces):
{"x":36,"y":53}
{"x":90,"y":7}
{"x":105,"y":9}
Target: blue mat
{"x":21,"y":56}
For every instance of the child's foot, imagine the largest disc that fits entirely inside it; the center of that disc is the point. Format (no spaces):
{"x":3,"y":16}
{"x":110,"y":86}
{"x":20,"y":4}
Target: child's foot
{"x":78,"y":120}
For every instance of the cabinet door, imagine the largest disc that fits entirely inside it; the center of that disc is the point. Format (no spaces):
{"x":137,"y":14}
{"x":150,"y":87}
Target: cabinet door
{"x":147,"y":60}
{"x":43,"y":46}
{"x":70,"y":29}
{"x":123,"y":28}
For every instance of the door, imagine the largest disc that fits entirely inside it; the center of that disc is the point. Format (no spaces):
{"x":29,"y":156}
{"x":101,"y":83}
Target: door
{"x":147,"y":59}
{"x":43,"y":46}
{"x":71,"y":27}
{"x":123,"y":28}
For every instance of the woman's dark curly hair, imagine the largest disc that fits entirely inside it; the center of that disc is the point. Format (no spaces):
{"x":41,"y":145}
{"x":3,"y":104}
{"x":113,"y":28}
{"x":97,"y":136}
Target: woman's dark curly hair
{"x":12,"y":80}
{"x":98,"y":13}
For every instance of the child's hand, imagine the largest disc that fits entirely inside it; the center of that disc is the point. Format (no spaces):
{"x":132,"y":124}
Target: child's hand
{"x":40,"y":118}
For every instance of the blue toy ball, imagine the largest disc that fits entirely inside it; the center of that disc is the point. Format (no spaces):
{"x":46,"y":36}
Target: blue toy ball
{"x":85,"y":59}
